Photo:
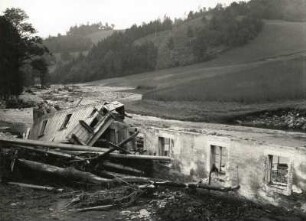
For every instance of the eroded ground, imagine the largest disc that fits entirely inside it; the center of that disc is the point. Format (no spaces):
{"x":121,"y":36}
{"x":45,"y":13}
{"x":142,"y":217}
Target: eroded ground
{"x":30,"y":205}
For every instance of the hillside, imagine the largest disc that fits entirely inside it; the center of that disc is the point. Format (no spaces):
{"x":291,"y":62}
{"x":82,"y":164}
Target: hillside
{"x":100,"y":35}
{"x":181,"y":53}
{"x":162,"y":44}
{"x":267,"y":62}
{"x":66,"y":48}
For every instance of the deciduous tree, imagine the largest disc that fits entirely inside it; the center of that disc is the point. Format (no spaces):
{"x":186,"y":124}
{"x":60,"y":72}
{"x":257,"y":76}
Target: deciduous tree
{"x":18,"y":47}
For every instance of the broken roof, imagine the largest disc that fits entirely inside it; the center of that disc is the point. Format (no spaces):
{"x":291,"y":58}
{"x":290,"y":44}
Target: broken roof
{"x":83,"y":122}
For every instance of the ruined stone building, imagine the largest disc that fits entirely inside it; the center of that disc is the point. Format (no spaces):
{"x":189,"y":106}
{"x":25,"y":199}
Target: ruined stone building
{"x":269,"y":165}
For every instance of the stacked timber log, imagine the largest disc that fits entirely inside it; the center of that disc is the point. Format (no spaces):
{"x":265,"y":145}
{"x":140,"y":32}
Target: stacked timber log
{"x":90,"y":166}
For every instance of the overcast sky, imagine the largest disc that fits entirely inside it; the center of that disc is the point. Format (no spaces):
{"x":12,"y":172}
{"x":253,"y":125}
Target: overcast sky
{"x":50,"y":17}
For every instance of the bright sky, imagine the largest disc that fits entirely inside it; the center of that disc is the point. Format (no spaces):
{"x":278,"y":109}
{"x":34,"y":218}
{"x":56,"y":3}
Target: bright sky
{"x":50,"y":17}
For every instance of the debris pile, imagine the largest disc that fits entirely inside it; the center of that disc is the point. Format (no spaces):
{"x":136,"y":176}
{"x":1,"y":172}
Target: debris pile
{"x":88,"y":147}
{"x":291,"y":119}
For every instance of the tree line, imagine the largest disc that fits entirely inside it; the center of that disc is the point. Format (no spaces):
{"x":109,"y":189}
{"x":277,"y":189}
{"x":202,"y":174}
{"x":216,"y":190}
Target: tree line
{"x":228,"y":27}
{"x":114,"y":56}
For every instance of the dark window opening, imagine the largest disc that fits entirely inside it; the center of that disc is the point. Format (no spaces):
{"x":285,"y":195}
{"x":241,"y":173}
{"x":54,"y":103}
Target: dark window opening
{"x":94,"y":122}
{"x":66,"y":121}
{"x":219,"y":159}
{"x":164,"y":146}
{"x":42,"y":129}
{"x":278,"y":171}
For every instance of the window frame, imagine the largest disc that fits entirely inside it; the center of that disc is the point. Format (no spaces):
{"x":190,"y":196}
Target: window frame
{"x":161,"y":152}
{"x":268,"y":169}
{"x":66,"y":121}
{"x":222,"y":157}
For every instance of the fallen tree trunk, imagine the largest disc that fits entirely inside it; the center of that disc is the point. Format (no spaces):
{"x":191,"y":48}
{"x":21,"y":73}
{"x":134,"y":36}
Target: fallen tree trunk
{"x":77,"y":175}
{"x":195,"y":185}
{"x":67,"y":173}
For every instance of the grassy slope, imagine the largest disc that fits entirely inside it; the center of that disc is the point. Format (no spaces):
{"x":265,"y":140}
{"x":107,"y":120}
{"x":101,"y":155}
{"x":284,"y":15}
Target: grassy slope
{"x":277,"y":38}
{"x":278,"y":80}
{"x":264,"y":55}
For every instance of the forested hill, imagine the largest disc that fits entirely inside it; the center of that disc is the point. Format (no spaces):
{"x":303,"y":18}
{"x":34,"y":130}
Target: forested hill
{"x":78,"y":38}
{"x":77,"y":41}
{"x":160,"y":44}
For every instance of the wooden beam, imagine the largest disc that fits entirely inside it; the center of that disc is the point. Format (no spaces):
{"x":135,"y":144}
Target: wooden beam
{"x":140,"y":157}
{"x":53,"y":145}
{"x":51,"y":152}
{"x":107,"y":121}
{"x":115,"y":147}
